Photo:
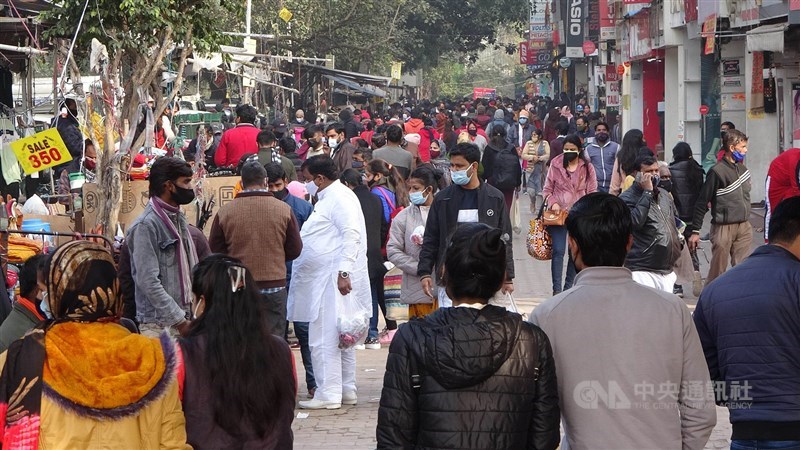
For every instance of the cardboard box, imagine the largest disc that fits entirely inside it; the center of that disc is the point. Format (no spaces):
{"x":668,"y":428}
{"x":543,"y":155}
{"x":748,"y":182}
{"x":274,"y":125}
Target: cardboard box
{"x":135,"y":197}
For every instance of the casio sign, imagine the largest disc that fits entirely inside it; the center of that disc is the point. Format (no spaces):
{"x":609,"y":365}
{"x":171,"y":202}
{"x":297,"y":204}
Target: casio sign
{"x":576,"y":18}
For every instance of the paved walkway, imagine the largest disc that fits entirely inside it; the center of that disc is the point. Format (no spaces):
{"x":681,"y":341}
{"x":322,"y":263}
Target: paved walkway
{"x":353,"y":427}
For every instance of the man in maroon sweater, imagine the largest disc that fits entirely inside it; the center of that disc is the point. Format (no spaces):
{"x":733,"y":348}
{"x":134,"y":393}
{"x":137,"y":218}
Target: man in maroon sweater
{"x":238,"y":141}
{"x":262,"y":232}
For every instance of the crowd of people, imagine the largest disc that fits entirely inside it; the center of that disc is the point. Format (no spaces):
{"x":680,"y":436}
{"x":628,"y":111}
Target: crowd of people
{"x":180,"y":341}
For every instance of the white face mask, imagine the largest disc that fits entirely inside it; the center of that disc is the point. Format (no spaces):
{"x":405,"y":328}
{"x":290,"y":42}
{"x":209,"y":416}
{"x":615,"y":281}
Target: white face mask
{"x":312,"y":188}
{"x":45,"y":307}
{"x":196,"y":307}
{"x":300,"y":120}
{"x":333,"y":142}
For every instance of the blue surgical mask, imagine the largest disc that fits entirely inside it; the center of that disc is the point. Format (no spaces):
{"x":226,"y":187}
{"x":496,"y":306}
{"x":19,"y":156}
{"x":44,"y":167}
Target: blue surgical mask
{"x":418,"y":198}
{"x":523,"y":120}
{"x":738,"y":157}
{"x":460,"y":177}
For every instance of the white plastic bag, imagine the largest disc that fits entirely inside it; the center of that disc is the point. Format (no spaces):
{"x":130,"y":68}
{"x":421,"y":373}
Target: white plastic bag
{"x":352,"y":323}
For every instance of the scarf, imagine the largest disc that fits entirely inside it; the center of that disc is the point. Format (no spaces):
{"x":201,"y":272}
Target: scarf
{"x":83,"y":288}
{"x":187,"y":255}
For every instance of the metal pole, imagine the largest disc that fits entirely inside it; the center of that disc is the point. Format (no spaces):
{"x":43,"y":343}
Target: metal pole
{"x":248,"y":17}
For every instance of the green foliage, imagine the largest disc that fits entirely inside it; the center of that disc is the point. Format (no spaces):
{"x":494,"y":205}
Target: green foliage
{"x":369,"y":35}
{"x":139,"y":25}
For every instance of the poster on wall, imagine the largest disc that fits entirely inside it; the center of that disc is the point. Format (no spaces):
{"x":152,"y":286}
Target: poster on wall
{"x":796,"y":114}
{"x":575,"y":23}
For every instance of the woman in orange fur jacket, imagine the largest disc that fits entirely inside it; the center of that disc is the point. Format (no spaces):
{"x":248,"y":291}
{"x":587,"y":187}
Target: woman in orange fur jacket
{"x":81,"y":380}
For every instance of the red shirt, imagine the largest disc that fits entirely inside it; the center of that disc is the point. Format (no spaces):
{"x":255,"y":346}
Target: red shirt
{"x":236,"y":143}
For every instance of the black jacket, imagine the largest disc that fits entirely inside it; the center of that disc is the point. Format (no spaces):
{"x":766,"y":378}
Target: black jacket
{"x":377,"y":230}
{"x":727,"y":187}
{"x":486,"y":380}
{"x":71,"y":135}
{"x":687,"y":181}
{"x":443,"y":219}
{"x":656,"y":245}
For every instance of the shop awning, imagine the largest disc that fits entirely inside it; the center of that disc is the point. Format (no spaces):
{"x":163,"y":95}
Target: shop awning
{"x":766,"y":38}
{"x":365,"y":88}
{"x":353,"y":76}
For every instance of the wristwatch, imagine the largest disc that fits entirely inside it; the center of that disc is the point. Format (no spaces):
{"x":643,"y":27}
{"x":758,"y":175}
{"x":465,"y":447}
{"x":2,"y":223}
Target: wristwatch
{"x":344,"y":274}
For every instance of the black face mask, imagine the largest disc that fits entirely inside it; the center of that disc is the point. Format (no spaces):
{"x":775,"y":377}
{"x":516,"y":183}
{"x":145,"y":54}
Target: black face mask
{"x":280,"y":195}
{"x":473,"y":132}
{"x":183,"y":196}
{"x":312,"y":143}
{"x":665,"y":185}
{"x":570,"y":156}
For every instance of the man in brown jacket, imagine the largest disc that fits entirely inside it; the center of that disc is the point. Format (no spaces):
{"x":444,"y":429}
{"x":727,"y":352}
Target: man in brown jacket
{"x":262,"y":232}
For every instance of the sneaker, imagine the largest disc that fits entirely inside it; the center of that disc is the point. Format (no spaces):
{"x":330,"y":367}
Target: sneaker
{"x":372,"y":344}
{"x":319,"y":404}
{"x":697,"y":285}
{"x":387,"y":337}
{"x":359,"y":347}
{"x":349,"y":398}
{"x":678,"y":290}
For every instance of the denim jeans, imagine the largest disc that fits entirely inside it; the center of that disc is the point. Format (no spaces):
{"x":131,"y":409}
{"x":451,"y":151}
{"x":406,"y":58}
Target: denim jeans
{"x":378,"y":302}
{"x":301,"y":331}
{"x":764,"y":445}
{"x":559,"y":237}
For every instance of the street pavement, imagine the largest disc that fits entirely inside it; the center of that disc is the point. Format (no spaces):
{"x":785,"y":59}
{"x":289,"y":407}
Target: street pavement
{"x":353,"y":427}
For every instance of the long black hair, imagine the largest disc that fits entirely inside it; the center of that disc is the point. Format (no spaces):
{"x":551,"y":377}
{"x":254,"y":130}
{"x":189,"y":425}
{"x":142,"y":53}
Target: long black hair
{"x":251,"y":372}
{"x":629,"y":150}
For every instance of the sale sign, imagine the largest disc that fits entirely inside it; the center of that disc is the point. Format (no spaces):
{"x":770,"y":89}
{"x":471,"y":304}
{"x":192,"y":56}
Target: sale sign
{"x":41,"y":151}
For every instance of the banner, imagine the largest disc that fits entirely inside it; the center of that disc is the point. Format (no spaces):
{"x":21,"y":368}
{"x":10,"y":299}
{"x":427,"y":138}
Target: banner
{"x":575,"y":25}
{"x":524,"y":52}
{"x":539,"y":11}
{"x":41,"y":151}
{"x":612,"y":87}
{"x":593,"y":22}
{"x":484,"y":93}
{"x":397,"y":70}
{"x":709,"y":33}
{"x":794,"y":12}
{"x":608,"y":31}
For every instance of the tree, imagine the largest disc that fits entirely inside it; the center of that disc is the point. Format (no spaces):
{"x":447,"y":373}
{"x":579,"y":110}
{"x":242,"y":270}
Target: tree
{"x":140,"y":36}
{"x":369,"y":35}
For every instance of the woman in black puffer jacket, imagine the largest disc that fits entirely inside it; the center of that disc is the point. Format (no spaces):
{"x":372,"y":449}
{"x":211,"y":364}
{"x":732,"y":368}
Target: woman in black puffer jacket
{"x":687,"y":180}
{"x":474,"y":375}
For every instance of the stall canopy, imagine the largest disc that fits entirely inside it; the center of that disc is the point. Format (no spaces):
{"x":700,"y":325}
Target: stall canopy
{"x":365,"y":88}
{"x":766,"y":38}
{"x":15,"y":38}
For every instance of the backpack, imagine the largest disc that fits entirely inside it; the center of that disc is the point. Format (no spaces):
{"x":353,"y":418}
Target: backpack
{"x":394,"y":209}
{"x":507,"y":170}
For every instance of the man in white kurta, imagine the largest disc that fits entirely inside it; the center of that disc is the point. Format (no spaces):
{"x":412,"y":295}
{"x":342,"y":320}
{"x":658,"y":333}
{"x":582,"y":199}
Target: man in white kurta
{"x":330,"y":272}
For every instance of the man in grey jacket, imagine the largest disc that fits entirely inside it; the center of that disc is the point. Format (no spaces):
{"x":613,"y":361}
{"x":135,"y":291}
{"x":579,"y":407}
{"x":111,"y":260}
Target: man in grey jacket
{"x":631,"y":370}
{"x":162,"y":251}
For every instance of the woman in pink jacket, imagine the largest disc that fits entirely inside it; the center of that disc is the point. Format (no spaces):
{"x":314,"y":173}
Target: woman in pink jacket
{"x":571,"y":176}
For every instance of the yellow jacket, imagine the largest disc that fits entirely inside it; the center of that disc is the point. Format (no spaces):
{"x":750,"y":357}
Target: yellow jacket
{"x":159,"y":424}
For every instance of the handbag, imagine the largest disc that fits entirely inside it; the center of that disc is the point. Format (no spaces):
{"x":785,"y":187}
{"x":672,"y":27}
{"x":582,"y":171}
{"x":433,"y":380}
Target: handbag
{"x":553,"y":218}
{"x":539,"y":242}
{"x":392,"y":282}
